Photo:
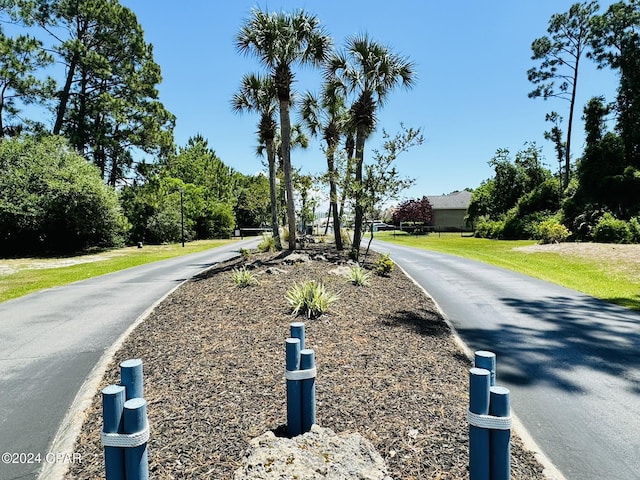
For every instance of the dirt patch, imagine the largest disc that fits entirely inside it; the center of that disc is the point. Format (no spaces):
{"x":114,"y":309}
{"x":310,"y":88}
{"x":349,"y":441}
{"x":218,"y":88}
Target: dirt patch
{"x":620,"y":258}
{"x":388,"y":368}
{"x":606,"y":252}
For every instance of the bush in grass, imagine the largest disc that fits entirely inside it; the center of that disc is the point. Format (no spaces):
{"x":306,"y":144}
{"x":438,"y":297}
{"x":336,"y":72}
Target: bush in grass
{"x":551,"y":231}
{"x":634,"y":228}
{"x":384,"y":265}
{"x":359,"y":276}
{"x":489,"y":228}
{"x":268,"y":243}
{"x":242,"y":277}
{"x":611,"y":230}
{"x":310,"y":298}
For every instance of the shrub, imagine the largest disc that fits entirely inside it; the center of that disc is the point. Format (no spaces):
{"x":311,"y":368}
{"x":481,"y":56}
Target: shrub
{"x":245,"y":252}
{"x":52,"y":199}
{"x":551,"y":231}
{"x":242,"y":277}
{"x":611,"y":230}
{"x":268,"y":243}
{"x":310,"y":298}
{"x":384,"y":265}
{"x":634,"y":227}
{"x":359,"y":276}
{"x":346,"y":239}
{"x":489,"y":228}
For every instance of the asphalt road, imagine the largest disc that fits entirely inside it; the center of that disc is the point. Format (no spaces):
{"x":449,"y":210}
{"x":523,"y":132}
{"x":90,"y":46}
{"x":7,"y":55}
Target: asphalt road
{"x":571,"y":362}
{"x":51,"y":340}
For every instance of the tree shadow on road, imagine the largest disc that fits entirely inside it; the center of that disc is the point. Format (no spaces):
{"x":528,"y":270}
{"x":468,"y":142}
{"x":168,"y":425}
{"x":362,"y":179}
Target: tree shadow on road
{"x":570,"y":334}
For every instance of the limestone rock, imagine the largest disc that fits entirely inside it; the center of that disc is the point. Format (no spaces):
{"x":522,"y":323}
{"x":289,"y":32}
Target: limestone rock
{"x":294,"y":258}
{"x":318,"y":454}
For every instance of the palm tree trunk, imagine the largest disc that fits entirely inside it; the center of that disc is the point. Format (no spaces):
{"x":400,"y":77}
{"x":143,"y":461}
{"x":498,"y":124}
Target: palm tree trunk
{"x":333,"y":198}
{"x":285,"y":131}
{"x":271,"y":156}
{"x":359,"y":208}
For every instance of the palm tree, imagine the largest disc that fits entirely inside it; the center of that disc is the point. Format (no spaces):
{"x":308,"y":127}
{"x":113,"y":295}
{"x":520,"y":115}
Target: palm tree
{"x":368,"y":70}
{"x":298,"y":140}
{"x":328,"y":116}
{"x":280,"y":40}
{"x":258,"y":94}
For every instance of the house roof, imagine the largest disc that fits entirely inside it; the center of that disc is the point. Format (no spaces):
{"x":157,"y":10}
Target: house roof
{"x":452,"y":201}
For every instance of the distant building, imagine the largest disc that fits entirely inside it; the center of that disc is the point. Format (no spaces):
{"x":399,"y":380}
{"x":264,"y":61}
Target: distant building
{"x":449,"y":210}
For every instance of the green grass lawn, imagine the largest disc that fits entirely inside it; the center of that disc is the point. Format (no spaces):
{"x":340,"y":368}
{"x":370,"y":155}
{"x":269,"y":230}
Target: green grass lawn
{"x":610,"y":280}
{"x":26,"y":275}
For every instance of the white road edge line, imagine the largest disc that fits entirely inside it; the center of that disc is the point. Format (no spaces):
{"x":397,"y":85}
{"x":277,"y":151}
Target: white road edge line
{"x":550,"y":471}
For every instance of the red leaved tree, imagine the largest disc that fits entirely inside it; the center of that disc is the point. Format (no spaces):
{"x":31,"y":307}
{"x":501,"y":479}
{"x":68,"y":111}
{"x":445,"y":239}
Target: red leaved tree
{"x":417,"y":211}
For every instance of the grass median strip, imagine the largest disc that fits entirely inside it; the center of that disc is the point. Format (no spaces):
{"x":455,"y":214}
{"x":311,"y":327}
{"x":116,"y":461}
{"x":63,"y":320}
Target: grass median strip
{"x":22,"y":276}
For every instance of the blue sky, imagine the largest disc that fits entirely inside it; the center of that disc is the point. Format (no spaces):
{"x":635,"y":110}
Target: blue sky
{"x":470,"y":97}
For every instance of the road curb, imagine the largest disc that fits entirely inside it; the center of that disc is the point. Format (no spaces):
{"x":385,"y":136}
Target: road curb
{"x":550,"y":471}
{"x":71,"y":425}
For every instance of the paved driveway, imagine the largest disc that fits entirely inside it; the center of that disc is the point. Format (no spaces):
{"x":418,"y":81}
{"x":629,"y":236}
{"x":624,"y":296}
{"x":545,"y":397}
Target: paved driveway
{"x":572,"y":362}
{"x":51,"y":340}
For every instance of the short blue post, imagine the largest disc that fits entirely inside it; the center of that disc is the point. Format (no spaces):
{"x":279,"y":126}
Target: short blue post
{"x":479,"y":379}
{"x":136,"y":459}
{"x":297,"y":331}
{"x":112,"y":406}
{"x":131,"y":378}
{"x":294,"y":401}
{"x":500,"y":440}
{"x":308,"y":387}
{"x":486,"y":360}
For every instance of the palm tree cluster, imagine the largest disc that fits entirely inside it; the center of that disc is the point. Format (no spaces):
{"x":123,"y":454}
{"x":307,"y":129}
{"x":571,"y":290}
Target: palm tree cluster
{"x":357,"y":81}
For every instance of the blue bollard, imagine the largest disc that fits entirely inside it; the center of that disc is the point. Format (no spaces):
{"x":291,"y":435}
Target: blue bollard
{"x":308,"y":387}
{"x":294,"y":401}
{"x":136,"y":459}
{"x":297,"y":331}
{"x":486,"y":360}
{"x":113,"y":399}
{"x":479,"y":379}
{"x":500,"y":440}
{"x":131,"y":378}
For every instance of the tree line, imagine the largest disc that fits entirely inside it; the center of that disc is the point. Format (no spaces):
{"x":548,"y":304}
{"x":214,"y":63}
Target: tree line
{"x":595,"y":197}
{"x":85,"y":181}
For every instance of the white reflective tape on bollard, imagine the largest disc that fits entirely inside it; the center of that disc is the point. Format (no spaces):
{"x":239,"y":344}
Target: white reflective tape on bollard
{"x":125,"y":440}
{"x":300,"y":374}
{"x":489,"y":421}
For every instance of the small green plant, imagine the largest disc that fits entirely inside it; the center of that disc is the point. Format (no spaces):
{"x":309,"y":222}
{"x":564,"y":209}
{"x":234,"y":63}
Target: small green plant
{"x":310,"y":298}
{"x":551,"y":231}
{"x":268,"y":243}
{"x":612,"y":230}
{"x":242,"y":277}
{"x":346,"y":239}
{"x":359,"y":276}
{"x":245,"y":252}
{"x":384,"y":265}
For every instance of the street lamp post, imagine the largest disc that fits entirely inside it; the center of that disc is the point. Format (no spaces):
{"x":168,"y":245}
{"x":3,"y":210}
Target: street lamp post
{"x":182,"y":214}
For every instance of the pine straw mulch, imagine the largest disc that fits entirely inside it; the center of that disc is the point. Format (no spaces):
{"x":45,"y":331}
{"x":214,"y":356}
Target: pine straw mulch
{"x":213,"y":356}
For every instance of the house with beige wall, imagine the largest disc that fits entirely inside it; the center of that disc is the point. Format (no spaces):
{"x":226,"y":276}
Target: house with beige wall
{"x":449,"y":210}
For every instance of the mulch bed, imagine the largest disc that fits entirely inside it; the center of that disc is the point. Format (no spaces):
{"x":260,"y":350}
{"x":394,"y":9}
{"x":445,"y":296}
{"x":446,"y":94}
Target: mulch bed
{"x":213,"y":353}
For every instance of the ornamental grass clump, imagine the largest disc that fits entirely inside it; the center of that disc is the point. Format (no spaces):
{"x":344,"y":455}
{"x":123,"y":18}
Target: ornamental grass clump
{"x":268,"y":243}
{"x":359,"y":276}
{"x":242,"y":277}
{"x":384,"y":265}
{"x":310,"y":298}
